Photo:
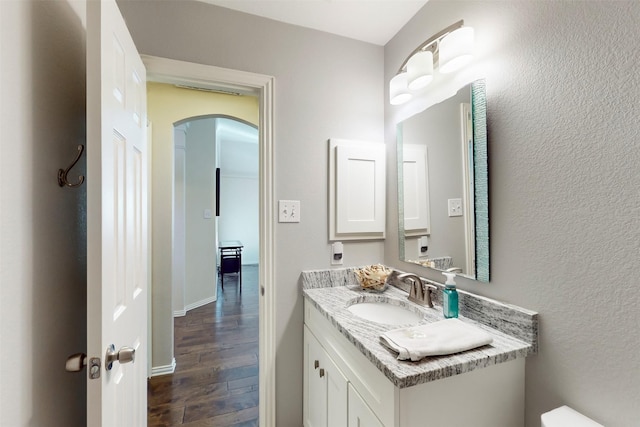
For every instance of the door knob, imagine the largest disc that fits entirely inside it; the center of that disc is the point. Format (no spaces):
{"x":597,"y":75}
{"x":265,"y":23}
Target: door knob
{"x":124,"y":355}
{"x":76,"y":362}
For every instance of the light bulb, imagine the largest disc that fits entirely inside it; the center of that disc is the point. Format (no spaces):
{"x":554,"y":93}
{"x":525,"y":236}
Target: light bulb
{"x":420,"y":70}
{"x":398,"y":90}
{"x":456,"y":49}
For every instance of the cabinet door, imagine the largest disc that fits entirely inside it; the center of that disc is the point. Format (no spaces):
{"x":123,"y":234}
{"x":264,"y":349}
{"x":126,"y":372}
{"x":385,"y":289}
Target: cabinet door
{"x":360,"y":193}
{"x":415,"y":181}
{"x":336,"y":394}
{"x":315,"y":386}
{"x":356,"y":190}
{"x":325,"y":387}
{"x":360,"y":415}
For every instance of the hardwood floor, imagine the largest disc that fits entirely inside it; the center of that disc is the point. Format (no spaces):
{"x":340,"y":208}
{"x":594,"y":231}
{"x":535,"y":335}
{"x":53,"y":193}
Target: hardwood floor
{"x":216,"y":349}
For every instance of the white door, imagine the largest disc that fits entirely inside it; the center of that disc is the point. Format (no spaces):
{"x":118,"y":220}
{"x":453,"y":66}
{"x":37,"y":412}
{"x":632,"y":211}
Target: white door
{"x":116,"y":219}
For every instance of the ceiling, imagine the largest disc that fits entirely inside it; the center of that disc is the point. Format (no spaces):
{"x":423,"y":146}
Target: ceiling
{"x":372,"y":21}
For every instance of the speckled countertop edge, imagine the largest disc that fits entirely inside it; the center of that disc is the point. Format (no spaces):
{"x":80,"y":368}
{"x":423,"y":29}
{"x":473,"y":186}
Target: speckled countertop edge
{"x":339,"y":288}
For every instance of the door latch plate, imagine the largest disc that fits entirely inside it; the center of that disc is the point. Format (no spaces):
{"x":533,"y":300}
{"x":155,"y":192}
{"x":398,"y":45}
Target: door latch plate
{"x":95,"y":365}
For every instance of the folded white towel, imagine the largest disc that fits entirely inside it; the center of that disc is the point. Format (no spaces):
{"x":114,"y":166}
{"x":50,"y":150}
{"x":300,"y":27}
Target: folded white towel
{"x":435,"y":339}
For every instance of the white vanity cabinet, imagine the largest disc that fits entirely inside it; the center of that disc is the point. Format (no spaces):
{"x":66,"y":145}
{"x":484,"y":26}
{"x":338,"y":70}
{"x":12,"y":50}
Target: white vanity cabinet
{"x":355,"y":393}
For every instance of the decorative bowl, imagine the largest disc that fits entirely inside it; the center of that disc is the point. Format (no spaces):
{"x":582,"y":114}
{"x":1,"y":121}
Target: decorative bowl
{"x":373,"y":278}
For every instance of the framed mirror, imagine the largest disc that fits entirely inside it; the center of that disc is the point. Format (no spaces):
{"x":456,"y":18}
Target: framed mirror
{"x":443,"y":200}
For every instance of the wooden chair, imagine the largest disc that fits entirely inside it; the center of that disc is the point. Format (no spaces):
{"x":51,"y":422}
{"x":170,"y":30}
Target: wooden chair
{"x":231,"y":261}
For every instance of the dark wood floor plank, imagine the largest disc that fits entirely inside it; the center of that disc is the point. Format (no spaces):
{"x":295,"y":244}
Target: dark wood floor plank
{"x":216,"y":349}
{"x":239,"y":355}
{"x":230,"y":352}
{"x":215,"y":407}
{"x":181,"y":395}
{"x":245,"y":417}
{"x":164,"y":415}
{"x":243,"y":382}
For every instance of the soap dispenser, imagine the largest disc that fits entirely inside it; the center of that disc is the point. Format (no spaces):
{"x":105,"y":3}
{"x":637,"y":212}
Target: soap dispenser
{"x":450,"y":297}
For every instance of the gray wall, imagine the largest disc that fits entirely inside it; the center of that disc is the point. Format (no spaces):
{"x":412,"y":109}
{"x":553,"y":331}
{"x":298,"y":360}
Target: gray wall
{"x":239,"y":189}
{"x":562,"y":94}
{"x":326,"y":87}
{"x":200,"y":172}
{"x":42,"y":226}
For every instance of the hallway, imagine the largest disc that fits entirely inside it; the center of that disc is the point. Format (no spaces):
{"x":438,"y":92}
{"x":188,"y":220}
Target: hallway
{"x":216,"y":349}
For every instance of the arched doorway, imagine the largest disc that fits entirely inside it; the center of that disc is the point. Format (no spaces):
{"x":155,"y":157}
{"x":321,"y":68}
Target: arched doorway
{"x":206,"y":212}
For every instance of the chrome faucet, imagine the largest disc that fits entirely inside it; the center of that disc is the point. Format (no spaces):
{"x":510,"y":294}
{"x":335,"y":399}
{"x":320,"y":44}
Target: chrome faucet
{"x":419,"y":292}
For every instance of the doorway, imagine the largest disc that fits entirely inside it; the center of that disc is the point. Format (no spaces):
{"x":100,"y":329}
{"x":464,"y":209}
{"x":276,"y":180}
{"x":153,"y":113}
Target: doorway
{"x":195,"y":75}
{"x":216,"y":348}
{"x":215,"y":190}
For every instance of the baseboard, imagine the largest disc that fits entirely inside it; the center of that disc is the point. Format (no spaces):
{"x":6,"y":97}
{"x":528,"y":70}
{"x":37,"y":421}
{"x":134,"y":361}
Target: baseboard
{"x":164,"y":370}
{"x":199,"y":303}
{"x":182,"y":313}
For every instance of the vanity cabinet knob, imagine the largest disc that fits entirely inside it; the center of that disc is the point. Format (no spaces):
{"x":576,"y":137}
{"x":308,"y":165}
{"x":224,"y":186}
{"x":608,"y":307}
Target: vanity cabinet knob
{"x":316,"y":364}
{"x":321,"y":372}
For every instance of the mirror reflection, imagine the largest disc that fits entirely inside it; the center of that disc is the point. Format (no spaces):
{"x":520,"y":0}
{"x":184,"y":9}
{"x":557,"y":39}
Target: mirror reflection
{"x":442,"y":176}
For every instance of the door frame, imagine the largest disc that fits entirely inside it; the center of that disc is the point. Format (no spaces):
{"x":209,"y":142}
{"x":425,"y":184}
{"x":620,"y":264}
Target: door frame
{"x":164,"y":70}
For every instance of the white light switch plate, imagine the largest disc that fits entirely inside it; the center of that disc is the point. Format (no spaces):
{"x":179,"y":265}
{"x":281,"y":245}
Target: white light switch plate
{"x":288,"y":210}
{"x":455,"y":207}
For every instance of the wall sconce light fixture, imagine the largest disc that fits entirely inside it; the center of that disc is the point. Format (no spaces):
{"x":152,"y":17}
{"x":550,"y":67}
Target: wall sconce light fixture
{"x":449,"y":50}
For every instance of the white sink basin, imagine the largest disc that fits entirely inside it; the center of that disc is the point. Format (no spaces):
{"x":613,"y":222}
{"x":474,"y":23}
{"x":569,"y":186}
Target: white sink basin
{"x":385,"y":312}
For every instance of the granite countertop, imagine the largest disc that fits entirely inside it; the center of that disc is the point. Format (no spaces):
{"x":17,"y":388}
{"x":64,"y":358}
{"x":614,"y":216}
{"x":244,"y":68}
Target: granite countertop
{"x":332,"y":300}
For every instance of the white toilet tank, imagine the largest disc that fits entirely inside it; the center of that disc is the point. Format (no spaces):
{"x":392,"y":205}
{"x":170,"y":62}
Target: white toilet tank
{"x":566,"y":417}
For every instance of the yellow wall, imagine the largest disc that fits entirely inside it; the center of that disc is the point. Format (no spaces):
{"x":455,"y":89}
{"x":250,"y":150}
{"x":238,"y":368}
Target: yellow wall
{"x":167,"y":105}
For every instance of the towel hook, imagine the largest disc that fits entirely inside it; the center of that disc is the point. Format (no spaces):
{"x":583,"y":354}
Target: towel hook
{"x":62,"y":174}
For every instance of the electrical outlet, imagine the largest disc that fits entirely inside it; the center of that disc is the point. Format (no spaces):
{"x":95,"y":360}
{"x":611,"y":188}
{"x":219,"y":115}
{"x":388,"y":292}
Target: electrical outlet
{"x":423,"y":246}
{"x":455,"y":207}
{"x":289,"y":211}
{"x":337,"y":253}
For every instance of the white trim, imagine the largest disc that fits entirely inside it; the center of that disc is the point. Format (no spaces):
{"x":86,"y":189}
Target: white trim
{"x":199,"y":303}
{"x":187,"y":73}
{"x":468,"y":196}
{"x":267,"y":265}
{"x":164,"y":370}
{"x":179,"y":313}
{"x":164,"y":70}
